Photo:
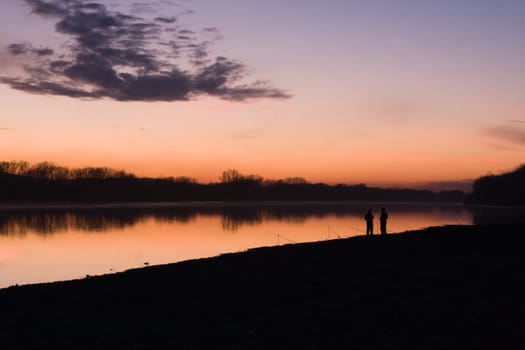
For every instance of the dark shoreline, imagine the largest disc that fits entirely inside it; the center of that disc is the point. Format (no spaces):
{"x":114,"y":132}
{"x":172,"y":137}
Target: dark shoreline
{"x":443,"y":287}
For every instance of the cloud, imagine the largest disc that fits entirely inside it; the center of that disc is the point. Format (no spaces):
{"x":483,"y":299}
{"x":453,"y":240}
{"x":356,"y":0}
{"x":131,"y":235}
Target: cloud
{"x":513,"y":134}
{"x":166,"y":19}
{"x":128,"y":57}
{"x":52,"y":8}
{"x":16,"y":49}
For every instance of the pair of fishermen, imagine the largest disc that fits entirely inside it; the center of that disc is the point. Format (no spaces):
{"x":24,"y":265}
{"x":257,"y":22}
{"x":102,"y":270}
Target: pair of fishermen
{"x":369,"y":218}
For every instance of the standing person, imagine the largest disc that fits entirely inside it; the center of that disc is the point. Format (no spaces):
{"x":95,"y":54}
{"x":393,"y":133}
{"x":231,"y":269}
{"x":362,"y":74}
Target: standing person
{"x":382,"y":221}
{"x":369,"y":218}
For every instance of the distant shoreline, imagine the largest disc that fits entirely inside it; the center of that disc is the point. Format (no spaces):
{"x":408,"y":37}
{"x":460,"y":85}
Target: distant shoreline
{"x":49,"y":182}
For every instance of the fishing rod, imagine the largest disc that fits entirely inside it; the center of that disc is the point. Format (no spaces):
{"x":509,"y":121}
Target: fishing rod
{"x":279,"y":238}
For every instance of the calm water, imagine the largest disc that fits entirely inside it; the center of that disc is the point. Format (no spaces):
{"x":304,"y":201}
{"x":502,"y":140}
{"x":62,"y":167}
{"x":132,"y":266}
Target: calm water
{"x":68,"y":242}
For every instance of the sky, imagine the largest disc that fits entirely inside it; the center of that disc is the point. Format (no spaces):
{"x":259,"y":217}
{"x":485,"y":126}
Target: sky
{"x":382,"y":92}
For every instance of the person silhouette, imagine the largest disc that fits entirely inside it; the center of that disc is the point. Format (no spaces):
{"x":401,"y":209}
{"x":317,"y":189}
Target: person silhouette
{"x":369,"y":218}
{"x":382,"y":221}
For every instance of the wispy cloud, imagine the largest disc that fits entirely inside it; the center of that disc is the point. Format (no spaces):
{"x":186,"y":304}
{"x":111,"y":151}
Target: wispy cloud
{"x":514,"y":134}
{"x":25,"y":48}
{"x":396,"y":110}
{"x":129,"y":57}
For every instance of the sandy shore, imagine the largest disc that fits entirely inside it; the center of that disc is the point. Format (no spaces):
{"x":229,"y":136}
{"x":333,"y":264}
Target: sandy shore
{"x":440,"y":288}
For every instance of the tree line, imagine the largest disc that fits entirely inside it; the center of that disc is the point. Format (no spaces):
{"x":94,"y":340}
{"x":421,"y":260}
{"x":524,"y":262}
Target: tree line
{"x":48,"y":181}
{"x":504,"y":189}
{"x":51,"y":171}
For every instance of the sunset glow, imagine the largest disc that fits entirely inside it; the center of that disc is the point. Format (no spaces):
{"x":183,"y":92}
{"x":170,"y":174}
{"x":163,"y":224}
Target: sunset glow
{"x":390,"y":93}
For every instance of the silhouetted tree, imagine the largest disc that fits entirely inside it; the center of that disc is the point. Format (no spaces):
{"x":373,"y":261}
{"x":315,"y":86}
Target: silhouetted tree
{"x":230,"y":175}
{"x":295,"y":181}
{"x":184,"y":180}
{"x":504,"y":189}
{"x":14,"y":167}
{"x":48,"y":171}
{"x":100,"y":173}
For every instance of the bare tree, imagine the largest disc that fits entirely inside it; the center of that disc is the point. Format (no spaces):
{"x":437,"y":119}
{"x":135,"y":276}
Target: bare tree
{"x":230,"y":175}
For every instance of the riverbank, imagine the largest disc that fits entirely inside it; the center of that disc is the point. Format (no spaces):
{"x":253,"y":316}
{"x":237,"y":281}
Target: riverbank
{"x":445,"y":287}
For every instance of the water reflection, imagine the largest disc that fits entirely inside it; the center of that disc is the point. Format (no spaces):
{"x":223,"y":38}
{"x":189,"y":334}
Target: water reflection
{"x":45,"y":221}
{"x":59,"y":242}
{"x":484,"y":215}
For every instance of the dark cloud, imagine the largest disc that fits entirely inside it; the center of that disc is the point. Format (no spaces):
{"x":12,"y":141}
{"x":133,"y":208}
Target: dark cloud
{"x":166,"y":19}
{"x":44,"y":52}
{"x":16,"y":49}
{"x":47,"y":88}
{"x":125,"y":57}
{"x":517,"y":121}
{"x":49,"y":8}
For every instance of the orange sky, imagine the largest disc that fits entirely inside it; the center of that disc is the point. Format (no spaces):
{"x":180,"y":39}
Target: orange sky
{"x":385,"y":95}
{"x":255,"y":138}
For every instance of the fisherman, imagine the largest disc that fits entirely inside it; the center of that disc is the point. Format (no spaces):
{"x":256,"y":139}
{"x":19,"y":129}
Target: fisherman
{"x":369,"y":218}
{"x":382,"y":221}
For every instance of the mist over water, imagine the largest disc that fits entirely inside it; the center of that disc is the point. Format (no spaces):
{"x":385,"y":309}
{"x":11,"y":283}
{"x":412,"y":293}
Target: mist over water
{"x":40,"y":244}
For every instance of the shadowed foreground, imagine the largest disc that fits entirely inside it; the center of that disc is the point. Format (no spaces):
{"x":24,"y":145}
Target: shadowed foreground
{"x":456,"y":286}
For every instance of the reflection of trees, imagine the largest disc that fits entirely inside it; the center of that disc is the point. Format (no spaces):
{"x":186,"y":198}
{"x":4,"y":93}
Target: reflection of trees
{"x":233,"y":216}
{"x":51,"y":222}
{"x":46,"y":223}
{"x":497,"y":215}
{"x":232,"y":223}
{"x":180,"y":216}
{"x":232,"y":219}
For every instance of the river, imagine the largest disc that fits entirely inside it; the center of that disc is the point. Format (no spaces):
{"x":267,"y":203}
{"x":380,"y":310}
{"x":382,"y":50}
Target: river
{"x":51,"y":242}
